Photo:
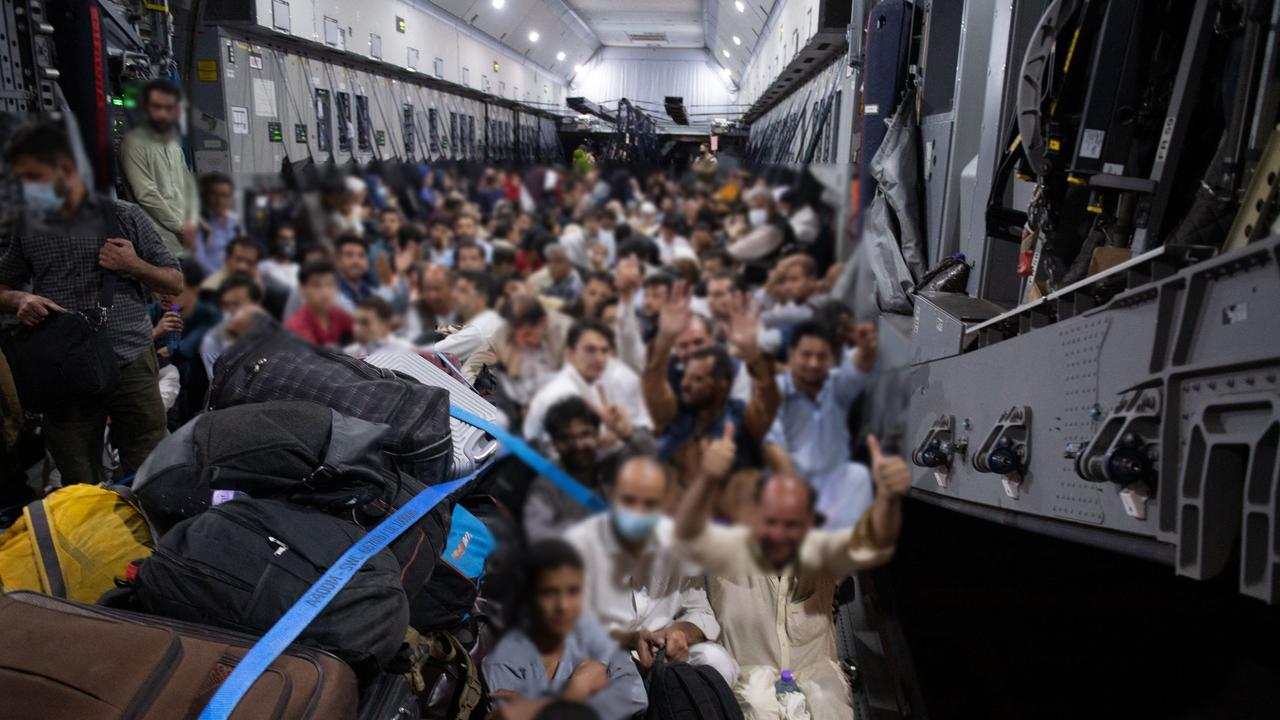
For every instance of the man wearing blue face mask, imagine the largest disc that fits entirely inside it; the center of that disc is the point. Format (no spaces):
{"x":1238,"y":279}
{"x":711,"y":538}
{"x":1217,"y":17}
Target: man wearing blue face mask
{"x":65,"y":251}
{"x":639,"y":590}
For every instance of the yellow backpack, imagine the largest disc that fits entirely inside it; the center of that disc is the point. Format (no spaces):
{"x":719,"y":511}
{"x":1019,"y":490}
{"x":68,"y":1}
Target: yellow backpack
{"x":74,"y":543}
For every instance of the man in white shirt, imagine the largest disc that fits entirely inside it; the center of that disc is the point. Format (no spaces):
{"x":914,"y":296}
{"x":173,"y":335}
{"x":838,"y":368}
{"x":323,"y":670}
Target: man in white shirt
{"x":371,"y":326}
{"x":590,"y":368}
{"x":282,"y":264}
{"x":472,"y":294}
{"x":772,"y":582}
{"x":641,"y":592}
{"x":671,"y":244}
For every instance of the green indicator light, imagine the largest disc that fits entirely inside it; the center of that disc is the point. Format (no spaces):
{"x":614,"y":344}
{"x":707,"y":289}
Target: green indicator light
{"x":117,"y":102}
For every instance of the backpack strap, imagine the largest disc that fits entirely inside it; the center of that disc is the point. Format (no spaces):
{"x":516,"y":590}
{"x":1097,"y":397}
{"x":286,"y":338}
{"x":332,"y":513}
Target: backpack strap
{"x":107,"y":291}
{"x":46,"y":550}
{"x":444,"y":648}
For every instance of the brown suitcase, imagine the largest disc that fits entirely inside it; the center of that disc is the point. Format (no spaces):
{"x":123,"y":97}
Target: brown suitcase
{"x":64,"y":660}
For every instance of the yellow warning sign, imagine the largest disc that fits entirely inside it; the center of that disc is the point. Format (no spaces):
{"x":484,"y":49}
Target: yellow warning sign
{"x":207,"y":70}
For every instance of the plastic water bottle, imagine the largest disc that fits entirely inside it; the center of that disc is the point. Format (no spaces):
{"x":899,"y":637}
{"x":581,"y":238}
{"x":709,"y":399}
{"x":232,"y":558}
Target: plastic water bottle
{"x":173,"y":337}
{"x":790,"y":697}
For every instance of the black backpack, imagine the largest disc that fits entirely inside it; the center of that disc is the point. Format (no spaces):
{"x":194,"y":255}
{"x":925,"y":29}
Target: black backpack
{"x":243,"y":563}
{"x":298,"y":451}
{"x":680,"y":691}
{"x":268,"y":363}
{"x":301,"y":452}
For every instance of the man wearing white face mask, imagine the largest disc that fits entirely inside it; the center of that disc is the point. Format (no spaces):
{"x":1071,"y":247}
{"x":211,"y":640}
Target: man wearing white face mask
{"x":640,"y":592}
{"x":65,"y":251}
{"x":766,"y":234}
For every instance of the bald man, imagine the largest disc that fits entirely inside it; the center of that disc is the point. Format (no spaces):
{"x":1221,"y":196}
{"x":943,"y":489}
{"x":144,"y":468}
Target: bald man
{"x":641,"y":592}
{"x":780,"y":573}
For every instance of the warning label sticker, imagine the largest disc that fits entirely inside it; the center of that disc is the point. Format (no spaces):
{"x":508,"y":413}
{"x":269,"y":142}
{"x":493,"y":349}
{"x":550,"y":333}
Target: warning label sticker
{"x":1091,"y":143}
{"x":207,"y":70}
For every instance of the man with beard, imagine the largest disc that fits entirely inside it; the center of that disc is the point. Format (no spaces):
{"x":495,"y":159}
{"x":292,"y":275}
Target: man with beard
{"x":156,"y":169}
{"x":432,"y":308}
{"x":703,"y":405}
{"x":574,"y":428}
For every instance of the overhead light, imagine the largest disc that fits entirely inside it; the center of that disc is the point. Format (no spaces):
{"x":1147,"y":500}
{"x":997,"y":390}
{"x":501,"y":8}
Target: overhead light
{"x":578,"y":69}
{"x":498,"y":4}
{"x":727,"y":73}
{"x":737,"y":40}
{"x":724,"y":53}
{"x":742,"y":7}
{"x":561,"y":56}
{"x":533,"y":36}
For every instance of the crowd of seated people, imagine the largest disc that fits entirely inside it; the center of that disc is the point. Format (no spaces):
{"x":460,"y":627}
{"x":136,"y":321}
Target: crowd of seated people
{"x":671,"y":343}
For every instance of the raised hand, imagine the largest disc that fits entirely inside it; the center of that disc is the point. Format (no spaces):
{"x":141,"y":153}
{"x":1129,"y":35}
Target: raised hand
{"x":744,"y":327}
{"x":677,"y":311}
{"x":718,"y":454}
{"x":889,"y":472}
{"x":612,"y":415}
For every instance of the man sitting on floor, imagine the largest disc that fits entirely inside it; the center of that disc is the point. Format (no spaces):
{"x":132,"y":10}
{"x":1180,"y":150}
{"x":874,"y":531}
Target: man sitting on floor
{"x":641,"y":592}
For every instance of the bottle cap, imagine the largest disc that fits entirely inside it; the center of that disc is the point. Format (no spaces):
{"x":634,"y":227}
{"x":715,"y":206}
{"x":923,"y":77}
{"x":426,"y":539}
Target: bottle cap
{"x":787,"y":676}
{"x":175,"y":308}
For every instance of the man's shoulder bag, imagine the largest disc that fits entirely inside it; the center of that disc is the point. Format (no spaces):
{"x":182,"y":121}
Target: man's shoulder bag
{"x":68,"y":356}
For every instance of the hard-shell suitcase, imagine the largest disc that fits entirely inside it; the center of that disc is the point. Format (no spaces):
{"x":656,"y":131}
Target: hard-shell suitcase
{"x":472,"y":447}
{"x":268,"y":363}
{"x":61,"y":660}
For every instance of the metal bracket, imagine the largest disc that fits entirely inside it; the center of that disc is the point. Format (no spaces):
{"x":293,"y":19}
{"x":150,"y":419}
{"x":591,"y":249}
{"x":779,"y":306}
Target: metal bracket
{"x":939,"y":448}
{"x":1006,"y":449}
{"x":1126,"y":448}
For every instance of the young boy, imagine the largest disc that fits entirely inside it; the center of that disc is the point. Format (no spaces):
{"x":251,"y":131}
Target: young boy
{"x":319,"y":321}
{"x":558,"y":653}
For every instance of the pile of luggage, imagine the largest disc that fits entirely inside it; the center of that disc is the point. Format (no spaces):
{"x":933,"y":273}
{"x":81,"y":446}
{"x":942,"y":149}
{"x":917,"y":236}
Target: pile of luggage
{"x":140,"y":601}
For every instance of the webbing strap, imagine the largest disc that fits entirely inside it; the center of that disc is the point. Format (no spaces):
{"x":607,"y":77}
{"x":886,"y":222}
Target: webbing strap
{"x":288,"y":627}
{"x":310,"y":605}
{"x":534,"y":460}
{"x":46,"y":548}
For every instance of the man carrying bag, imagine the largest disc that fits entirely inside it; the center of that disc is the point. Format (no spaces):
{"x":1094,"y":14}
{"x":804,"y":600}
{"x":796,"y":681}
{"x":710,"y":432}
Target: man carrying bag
{"x":92,"y":263}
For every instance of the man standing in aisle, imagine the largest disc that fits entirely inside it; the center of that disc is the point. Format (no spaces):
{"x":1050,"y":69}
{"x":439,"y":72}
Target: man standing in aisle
{"x":65,"y":251}
{"x":156,"y":169}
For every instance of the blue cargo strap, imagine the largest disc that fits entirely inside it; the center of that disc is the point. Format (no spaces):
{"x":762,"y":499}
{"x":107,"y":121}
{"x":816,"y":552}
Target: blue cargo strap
{"x":534,"y":460}
{"x":310,"y":605}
